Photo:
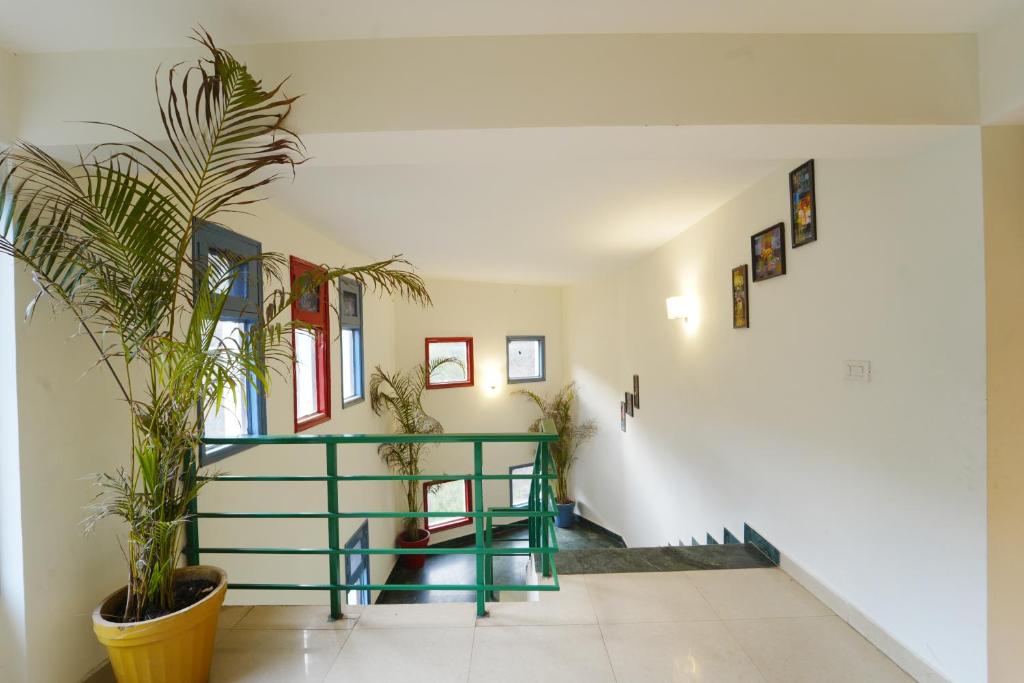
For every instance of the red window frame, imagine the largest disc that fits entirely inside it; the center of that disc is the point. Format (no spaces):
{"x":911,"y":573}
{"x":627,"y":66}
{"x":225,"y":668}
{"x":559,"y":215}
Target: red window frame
{"x":450,"y":522}
{"x":469,"y":364}
{"x":320,"y":323}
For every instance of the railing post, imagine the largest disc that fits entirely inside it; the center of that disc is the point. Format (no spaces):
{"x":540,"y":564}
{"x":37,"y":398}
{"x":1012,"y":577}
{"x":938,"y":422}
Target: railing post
{"x":545,"y":561}
{"x":333,"y":540}
{"x":535,"y":484}
{"x":478,"y":507}
{"x":192,"y":524}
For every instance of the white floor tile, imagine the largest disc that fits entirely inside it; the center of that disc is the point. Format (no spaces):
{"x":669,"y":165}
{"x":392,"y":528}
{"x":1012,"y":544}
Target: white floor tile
{"x":275,"y":656}
{"x":756,"y":593}
{"x":437,"y":615}
{"x":569,"y":605}
{"x":646,"y":597}
{"x":312,"y":617}
{"x":431,"y":655}
{"x":812,"y":650}
{"x":540,"y":654}
{"x":230,"y":615}
{"x":677,"y":652}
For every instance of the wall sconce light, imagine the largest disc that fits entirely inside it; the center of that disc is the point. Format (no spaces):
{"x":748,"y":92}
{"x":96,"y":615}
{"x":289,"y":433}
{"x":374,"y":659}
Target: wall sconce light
{"x":677,"y":308}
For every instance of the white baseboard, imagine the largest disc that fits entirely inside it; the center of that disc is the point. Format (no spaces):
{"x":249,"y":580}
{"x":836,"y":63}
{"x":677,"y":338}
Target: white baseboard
{"x":920,"y":670}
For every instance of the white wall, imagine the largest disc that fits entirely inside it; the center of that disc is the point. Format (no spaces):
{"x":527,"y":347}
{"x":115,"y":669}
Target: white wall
{"x":877,"y":490}
{"x":488,"y":313}
{"x":1001,"y":65}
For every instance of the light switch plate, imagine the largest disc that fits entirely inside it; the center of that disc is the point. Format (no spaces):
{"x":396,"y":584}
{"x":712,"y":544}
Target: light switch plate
{"x":857,"y":370}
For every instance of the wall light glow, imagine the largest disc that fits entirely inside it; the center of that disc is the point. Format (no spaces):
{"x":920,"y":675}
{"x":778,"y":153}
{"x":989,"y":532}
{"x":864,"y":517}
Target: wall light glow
{"x":677,"y":308}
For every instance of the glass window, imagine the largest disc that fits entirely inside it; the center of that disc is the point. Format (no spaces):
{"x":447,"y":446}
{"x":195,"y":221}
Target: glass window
{"x":519,"y":489}
{"x":525,"y":359}
{"x":451,"y":374}
{"x":351,"y":319}
{"x":312,"y":350}
{"x":219,"y":252}
{"x":357,"y":567}
{"x":447,"y":496}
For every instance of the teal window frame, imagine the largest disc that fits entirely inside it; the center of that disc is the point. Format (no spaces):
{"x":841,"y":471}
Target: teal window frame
{"x":210,"y":236}
{"x":542,"y":347}
{"x":355,"y":324}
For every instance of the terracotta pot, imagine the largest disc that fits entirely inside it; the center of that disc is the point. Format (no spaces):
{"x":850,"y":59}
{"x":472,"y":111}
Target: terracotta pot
{"x":176,"y":648}
{"x":414,"y":561}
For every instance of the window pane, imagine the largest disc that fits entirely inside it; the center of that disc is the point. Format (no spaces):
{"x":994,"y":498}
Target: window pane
{"x":521,"y":487}
{"x":309,"y":301}
{"x":349,"y":304}
{"x":450,"y":372}
{"x":525,"y":359}
{"x":449,"y":496}
{"x":233,"y":417}
{"x":220,"y":261}
{"x":350,"y":359}
{"x":306,"y":390}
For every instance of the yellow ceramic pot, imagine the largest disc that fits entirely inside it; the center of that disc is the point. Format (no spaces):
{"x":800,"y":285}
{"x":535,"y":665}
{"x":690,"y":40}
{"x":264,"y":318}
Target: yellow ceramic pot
{"x":176,"y":648}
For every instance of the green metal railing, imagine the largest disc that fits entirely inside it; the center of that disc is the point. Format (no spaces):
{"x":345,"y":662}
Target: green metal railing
{"x":539,"y":513}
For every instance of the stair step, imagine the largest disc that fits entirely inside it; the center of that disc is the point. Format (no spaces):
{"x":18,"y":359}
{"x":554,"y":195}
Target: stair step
{"x":666,"y":559}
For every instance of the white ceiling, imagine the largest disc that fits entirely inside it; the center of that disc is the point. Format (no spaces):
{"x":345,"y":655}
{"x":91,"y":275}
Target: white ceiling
{"x":551,"y":206}
{"x":71,"y":25}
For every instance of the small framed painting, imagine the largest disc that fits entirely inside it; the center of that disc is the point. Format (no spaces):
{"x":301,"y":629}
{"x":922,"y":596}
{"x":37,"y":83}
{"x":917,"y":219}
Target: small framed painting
{"x":450,"y":375}
{"x":768,"y":252}
{"x":740,"y":299}
{"x":636,"y":392}
{"x":622,"y":415}
{"x":629,"y":404}
{"x":801,"y":205}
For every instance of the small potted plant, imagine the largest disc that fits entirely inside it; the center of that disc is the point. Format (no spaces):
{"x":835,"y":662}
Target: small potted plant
{"x":108,"y":240}
{"x":559,"y":408}
{"x":401,"y":394}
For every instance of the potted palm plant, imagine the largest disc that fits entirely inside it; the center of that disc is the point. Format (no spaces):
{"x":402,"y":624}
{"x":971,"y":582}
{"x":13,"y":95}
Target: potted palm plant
{"x":109,"y":240}
{"x":571,"y":433}
{"x":401,"y":395}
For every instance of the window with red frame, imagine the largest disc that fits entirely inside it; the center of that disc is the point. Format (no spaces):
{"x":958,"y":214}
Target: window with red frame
{"x":454,"y":495}
{"x":311,"y":367}
{"x":458,"y":373}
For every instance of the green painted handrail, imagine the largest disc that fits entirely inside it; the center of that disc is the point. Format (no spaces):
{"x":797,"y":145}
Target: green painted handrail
{"x":539,"y":513}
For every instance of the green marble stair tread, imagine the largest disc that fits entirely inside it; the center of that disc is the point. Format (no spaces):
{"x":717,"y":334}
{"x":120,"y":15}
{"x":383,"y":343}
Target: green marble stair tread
{"x":668,"y":559}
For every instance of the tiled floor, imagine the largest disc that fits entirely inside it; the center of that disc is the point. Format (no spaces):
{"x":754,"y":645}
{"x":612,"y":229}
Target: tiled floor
{"x":753,"y":625}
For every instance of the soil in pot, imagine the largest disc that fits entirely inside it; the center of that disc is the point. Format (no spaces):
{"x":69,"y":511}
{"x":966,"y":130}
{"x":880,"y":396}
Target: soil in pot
{"x":186,"y":594}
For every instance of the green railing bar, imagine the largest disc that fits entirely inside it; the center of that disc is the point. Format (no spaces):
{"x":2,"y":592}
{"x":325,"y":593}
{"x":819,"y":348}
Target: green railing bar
{"x":545,"y":559}
{"x":481,"y":543}
{"x":395,"y":586}
{"x":333,"y":536}
{"x":366,"y":515}
{"x":521,"y":550}
{"x":281,"y":439}
{"x":375,"y":477}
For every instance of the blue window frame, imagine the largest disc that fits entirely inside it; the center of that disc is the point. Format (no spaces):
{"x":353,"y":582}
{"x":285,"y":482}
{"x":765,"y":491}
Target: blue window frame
{"x":246,"y":412}
{"x":350,"y":315}
{"x":357,"y":567}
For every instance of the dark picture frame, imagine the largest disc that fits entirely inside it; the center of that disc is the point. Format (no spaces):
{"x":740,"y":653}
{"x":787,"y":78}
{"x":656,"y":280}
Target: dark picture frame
{"x":768,"y":252}
{"x":740,"y":298}
{"x":803,"y":208}
{"x":629,"y":404}
{"x":636,"y":392}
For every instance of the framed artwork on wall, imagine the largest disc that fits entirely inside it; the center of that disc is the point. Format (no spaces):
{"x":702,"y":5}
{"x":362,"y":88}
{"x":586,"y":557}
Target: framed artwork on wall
{"x":629,"y":404}
{"x":636,"y":392}
{"x":450,"y":375}
{"x":740,"y":298}
{"x":768,"y":252}
{"x":622,"y":415}
{"x":802,"y":208}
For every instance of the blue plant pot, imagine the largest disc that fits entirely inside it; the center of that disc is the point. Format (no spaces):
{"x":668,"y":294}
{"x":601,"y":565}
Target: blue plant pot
{"x":566,"y":515}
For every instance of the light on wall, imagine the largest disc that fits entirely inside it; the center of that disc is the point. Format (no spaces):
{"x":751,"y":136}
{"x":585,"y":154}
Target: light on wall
{"x":677,"y":308}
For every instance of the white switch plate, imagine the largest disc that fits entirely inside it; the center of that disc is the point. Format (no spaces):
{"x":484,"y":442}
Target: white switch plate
{"x":857,"y":370}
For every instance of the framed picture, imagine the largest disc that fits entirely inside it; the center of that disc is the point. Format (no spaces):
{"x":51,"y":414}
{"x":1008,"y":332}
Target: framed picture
{"x":622,"y":415}
{"x":801,"y":205}
{"x":629,"y":404}
{"x":740,"y":299}
{"x":768,"y":252}
{"x":452,"y":374}
{"x":636,"y":392}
